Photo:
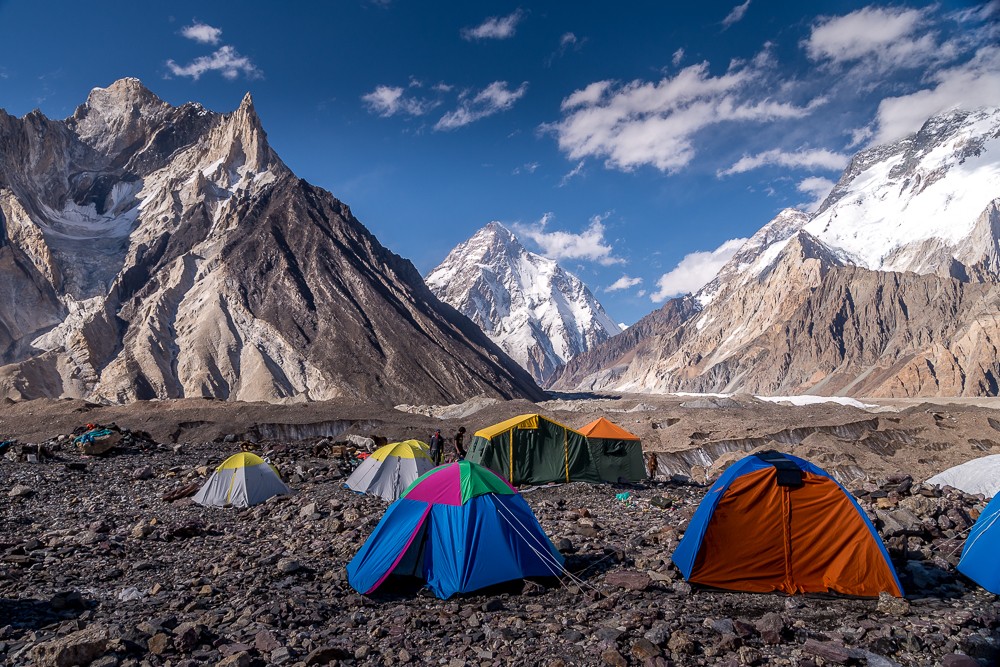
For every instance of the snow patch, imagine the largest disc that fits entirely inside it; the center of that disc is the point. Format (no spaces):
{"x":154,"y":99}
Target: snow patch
{"x":815,"y":400}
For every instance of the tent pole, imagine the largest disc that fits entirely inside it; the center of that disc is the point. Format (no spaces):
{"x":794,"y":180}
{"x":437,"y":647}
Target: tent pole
{"x":566,"y":451}
{"x":512,"y":456}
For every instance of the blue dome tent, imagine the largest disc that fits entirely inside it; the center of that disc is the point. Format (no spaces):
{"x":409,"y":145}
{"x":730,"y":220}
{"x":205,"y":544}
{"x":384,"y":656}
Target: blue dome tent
{"x":459,"y":527}
{"x":979,"y":556}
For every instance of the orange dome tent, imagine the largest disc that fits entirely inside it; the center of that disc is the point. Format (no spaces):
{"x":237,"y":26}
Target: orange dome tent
{"x":775,"y":522}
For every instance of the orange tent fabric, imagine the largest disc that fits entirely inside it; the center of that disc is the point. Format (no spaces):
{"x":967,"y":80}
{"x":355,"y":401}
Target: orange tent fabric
{"x":762,"y":536}
{"x":804,"y":540}
{"x":602,"y":428}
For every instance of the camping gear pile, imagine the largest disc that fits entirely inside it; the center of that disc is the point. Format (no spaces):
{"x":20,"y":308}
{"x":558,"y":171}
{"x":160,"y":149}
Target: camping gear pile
{"x":99,"y":439}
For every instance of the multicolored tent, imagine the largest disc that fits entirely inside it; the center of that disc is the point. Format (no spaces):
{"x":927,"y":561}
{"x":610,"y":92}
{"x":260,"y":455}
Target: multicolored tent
{"x":391,"y":469}
{"x":774,"y":522}
{"x":617,"y":453}
{"x":531,"y":449}
{"x":459,"y":527}
{"x":242,"y":480}
{"x":979,"y":556}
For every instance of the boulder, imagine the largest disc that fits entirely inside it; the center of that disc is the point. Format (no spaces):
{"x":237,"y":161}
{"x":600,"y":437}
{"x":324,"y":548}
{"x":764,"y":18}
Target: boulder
{"x":77,"y":648}
{"x":628,"y":579}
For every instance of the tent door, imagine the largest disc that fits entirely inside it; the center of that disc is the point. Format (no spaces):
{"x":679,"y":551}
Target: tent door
{"x":412,"y":562}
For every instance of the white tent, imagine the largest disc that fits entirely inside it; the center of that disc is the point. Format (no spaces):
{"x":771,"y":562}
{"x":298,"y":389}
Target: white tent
{"x":980,"y":475}
{"x":391,"y":469}
{"x":241,"y":481}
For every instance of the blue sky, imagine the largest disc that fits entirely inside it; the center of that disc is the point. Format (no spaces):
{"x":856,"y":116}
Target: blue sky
{"x":636,"y":143}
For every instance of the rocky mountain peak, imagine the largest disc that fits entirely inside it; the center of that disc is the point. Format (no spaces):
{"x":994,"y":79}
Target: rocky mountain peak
{"x":495,"y":241}
{"x":246,"y":115}
{"x":536,"y":311}
{"x":117,"y":117}
{"x":126,"y":90}
{"x":152,"y":251}
{"x":890,"y":289}
{"x":913,"y":204}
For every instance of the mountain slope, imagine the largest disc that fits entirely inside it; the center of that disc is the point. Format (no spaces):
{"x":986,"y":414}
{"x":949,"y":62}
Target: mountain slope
{"x":168,"y":252}
{"x":890,"y":289}
{"x":536,"y":311}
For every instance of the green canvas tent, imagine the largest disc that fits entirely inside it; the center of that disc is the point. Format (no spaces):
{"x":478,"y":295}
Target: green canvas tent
{"x":617,"y":453}
{"x":531,"y":449}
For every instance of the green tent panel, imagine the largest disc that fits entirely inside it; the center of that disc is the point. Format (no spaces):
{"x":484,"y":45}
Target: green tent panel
{"x":531,"y":449}
{"x":617,"y":453}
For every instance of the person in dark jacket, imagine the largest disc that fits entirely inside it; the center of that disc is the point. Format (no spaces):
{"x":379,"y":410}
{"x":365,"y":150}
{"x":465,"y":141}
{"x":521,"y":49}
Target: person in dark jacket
{"x":460,"y":442}
{"x":437,"y":445}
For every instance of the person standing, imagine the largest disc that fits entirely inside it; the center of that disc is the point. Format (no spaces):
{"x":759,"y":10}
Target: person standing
{"x":460,"y":442}
{"x":437,"y":444}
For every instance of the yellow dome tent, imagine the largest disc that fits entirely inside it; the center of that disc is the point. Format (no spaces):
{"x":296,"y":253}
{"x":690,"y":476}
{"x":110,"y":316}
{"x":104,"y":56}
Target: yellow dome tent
{"x":242,"y":480}
{"x":390,"y":469}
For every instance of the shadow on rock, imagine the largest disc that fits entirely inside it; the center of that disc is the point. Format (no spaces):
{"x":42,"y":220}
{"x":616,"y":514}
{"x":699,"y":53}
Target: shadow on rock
{"x":32,"y":614}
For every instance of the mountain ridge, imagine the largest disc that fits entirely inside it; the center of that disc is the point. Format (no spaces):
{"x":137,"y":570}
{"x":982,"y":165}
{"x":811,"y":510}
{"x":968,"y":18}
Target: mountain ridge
{"x":795,"y":275}
{"x":168,"y":252}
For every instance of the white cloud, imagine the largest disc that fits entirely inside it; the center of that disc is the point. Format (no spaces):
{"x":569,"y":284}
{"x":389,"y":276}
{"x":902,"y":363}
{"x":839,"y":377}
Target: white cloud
{"x":970,"y":85}
{"x":978,"y":14}
{"x":587,"y":245}
{"x":567,"y":41}
{"x":886,"y":37}
{"x":203,"y":33}
{"x":528,"y":167}
{"x":736,"y":15}
{"x":819,"y":188}
{"x":590,"y":95}
{"x":225,"y":60}
{"x":859,"y":135}
{"x":495,"y":27}
{"x":677,"y":57}
{"x":571,"y":174}
{"x":624,"y":282}
{"x":695,"y":270}
{"x":818,"y":158}
{"x":653,"y":123}
{"x":493,"y":99}
{"x":388,"y":101}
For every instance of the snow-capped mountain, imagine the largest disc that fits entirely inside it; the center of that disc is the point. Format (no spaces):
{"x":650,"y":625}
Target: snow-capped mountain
{"x":918,"y":204}
{"x":890,"y":289}
{"x":536,"y":311}
{"x":152,"y":251}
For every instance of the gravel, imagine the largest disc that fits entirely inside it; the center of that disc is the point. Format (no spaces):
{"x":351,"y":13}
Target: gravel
{"x":94,"y":563}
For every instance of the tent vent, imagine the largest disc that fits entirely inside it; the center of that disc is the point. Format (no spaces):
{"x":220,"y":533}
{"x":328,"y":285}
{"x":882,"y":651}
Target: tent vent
{"x":789,"y":474}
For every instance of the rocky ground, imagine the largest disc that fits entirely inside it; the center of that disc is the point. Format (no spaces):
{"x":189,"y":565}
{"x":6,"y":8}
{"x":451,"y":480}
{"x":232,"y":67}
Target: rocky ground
{"x":95,"y":565}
